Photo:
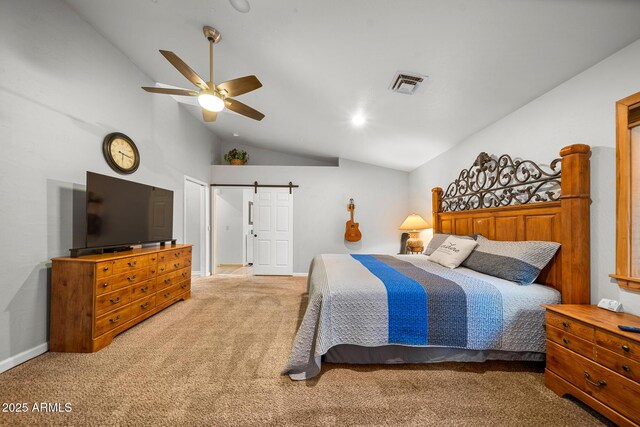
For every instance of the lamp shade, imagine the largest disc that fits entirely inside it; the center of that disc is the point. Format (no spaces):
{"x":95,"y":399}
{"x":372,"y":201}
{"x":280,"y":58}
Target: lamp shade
{"x":415,"y":222}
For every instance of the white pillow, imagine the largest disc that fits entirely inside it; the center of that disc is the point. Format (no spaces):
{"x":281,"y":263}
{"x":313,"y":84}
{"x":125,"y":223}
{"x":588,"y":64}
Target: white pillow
{"x":453,"y":251}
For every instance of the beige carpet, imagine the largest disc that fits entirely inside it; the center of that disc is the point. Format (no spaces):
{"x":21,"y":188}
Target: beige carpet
{"x":216,"y":360}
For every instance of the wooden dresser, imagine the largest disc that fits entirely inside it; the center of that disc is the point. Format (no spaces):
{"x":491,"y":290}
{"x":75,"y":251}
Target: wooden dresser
{"x":591,"y":359}
{"x":95,"y":297}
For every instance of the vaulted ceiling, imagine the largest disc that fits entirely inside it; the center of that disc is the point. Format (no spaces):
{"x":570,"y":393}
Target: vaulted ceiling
{"x":323,"y":61}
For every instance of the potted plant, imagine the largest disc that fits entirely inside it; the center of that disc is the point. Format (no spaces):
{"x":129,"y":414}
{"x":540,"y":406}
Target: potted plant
{"x":236,"y":157}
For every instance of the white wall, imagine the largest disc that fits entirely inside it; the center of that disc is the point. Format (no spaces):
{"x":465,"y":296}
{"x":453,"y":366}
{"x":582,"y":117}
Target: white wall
{"x":580,"y":111}
{"x":63,"y":88}
{"x":263,"y":156}
{"x":230,"y":226}
{"x":195,"y":223}
{"x":320,"y":205}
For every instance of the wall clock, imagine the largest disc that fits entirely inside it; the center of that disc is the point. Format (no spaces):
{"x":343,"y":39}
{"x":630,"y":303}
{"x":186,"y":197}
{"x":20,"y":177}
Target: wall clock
{"x":121,"y":153}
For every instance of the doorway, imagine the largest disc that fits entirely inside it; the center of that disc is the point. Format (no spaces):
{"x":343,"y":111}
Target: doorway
{"x":253,"y":231}
{"x":195,"y":227}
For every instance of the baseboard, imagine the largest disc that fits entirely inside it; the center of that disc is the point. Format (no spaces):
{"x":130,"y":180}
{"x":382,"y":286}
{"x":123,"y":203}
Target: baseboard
{"x":300,"y":274}
{"x":20,"y":358}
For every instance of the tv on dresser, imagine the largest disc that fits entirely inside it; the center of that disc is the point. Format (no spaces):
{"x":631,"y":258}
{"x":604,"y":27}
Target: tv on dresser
{"x":96,"y":296}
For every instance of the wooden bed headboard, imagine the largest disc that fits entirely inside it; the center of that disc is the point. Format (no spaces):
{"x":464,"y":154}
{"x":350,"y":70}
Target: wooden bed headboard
{"x":482,"y":201}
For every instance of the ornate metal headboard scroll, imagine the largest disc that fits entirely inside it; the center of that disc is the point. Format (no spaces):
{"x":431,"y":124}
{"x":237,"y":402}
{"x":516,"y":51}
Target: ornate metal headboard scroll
{"x":491,"y":182}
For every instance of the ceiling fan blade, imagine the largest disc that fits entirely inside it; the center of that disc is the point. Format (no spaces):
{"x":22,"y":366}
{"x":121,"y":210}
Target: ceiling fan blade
{"x":184,"y":69}
{"x":240,"y":85}
{"x":169,"y":91}
{"x":243,"y":109}
{"x":209,"y":116}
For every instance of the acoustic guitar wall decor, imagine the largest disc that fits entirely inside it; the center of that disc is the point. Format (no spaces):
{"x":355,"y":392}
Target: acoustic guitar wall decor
{"x":352,"y":234}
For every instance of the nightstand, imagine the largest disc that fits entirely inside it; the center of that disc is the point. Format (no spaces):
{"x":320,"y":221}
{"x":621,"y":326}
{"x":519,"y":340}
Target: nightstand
{"x":591,"y":359}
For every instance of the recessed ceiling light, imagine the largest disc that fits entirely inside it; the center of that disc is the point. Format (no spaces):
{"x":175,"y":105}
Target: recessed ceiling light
{"x":241,"y":6}
{"x":358,"y":119}
{"x":236,"y":134}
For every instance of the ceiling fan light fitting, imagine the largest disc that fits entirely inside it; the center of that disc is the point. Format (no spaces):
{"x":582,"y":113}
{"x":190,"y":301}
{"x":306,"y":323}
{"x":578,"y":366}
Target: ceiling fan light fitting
{"x":211,"y":102}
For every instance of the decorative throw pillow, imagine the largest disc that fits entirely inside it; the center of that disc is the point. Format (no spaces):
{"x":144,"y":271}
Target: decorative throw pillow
{"x":519,"y":262}
{"x":439,"y":239}
{"x":453,"y":251}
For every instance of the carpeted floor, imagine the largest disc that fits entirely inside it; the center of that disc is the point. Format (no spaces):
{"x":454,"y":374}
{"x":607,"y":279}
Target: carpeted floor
{"x":216,"y":360}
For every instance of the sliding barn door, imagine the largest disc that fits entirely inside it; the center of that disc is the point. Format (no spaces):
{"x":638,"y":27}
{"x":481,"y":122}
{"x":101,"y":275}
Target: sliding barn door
{"x":273,"y":232}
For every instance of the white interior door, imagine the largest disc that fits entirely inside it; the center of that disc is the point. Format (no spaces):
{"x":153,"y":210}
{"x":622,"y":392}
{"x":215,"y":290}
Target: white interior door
{"x":273,"y":232}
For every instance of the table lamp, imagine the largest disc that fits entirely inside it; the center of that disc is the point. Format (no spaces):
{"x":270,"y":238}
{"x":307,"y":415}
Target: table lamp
{"x":414,"y":224}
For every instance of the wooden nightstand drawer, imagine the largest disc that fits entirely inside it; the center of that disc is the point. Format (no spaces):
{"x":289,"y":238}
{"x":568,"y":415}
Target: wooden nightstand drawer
{"x":112,"y":300}
{"x":618,"y":344}
{"x":622,"y":365}
{"x":570,"y":325}
{"x":570,"y":341}
{"x":597,"y":381}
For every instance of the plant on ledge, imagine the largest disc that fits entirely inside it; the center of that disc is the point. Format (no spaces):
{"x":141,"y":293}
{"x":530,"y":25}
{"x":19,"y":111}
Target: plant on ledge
{"x":236,"y":157}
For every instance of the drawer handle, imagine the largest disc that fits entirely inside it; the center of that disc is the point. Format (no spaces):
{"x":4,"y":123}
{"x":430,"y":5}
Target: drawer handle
{"x":565,"y":340}
{"x":184,"y":274}
{"x":167,"y":280}
{"x":167,"y":294}
{"x":565,"y":324}
{"x":105,"y":284}
{"x":116,"y":320}
{"x":183,"y":286}
{"x":145,"y":305}
{"x":114,"y":301}
{"x":130,"y":278}
{"x":132,"y":264}
{"x":625,"y":347}
{"x":145,"y":289}
{"x":176,"y":265}
{"x":105,"y":269}
{"x":600,"y":383}
{"x":626,"y":368}
{"x":153,"y":272}
{"x":177,"y":254}
{"x":161,"y":268}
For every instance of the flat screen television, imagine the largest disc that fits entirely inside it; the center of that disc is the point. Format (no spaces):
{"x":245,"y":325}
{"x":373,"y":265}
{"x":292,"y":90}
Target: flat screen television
{"x":121,"y":213}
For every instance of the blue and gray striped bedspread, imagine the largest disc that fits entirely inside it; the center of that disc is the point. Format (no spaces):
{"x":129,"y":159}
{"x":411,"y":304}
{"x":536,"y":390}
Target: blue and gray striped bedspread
{"x":377,"y":300}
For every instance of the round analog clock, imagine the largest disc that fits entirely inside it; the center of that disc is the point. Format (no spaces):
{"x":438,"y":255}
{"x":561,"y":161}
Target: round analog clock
{"x":121,"y":153}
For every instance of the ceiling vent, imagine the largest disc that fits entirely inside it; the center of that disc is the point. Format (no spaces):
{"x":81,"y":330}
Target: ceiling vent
{"x":406,"y":83}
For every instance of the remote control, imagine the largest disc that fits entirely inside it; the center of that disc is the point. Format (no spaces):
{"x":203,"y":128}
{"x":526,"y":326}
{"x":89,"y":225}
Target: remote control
{"x":629,"y":328}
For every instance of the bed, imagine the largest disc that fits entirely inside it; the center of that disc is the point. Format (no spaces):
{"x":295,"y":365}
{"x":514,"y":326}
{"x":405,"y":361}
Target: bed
{"x":407,"y":309}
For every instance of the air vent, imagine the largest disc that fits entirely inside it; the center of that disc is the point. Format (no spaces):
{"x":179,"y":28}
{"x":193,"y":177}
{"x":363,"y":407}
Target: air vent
{"x":406,"y":83}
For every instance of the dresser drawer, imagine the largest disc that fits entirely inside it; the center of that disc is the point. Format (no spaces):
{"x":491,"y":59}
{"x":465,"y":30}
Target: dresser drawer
{"x":144,"y":289}
{"x":570,"y":325}
{"x":112,"y":320}
{"x":618,"y":344}
{"x":130,"y":278}
{"x":174,"y":255}
{"x":131,"y":264}
{"x":173,"y":278}
{"x":168,"y":293}
{"x":104,"y":285}
{"x":570,"y":341}
{"x":104,"y":269}
{"x":185,"y":286}
{"x":112,"y":300}
{"x":597,"y":381}
{"x":622,"y":365}
{"x":142,"y":306}
{"x":177,"y":264}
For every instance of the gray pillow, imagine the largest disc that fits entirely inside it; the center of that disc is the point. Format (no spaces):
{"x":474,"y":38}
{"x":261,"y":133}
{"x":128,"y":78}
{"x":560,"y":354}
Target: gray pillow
{"x":519,"y":262}
{"x":439,"y":239}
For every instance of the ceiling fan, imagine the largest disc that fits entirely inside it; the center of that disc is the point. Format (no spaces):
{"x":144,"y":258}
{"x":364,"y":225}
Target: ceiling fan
{"x":211,"y":97}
